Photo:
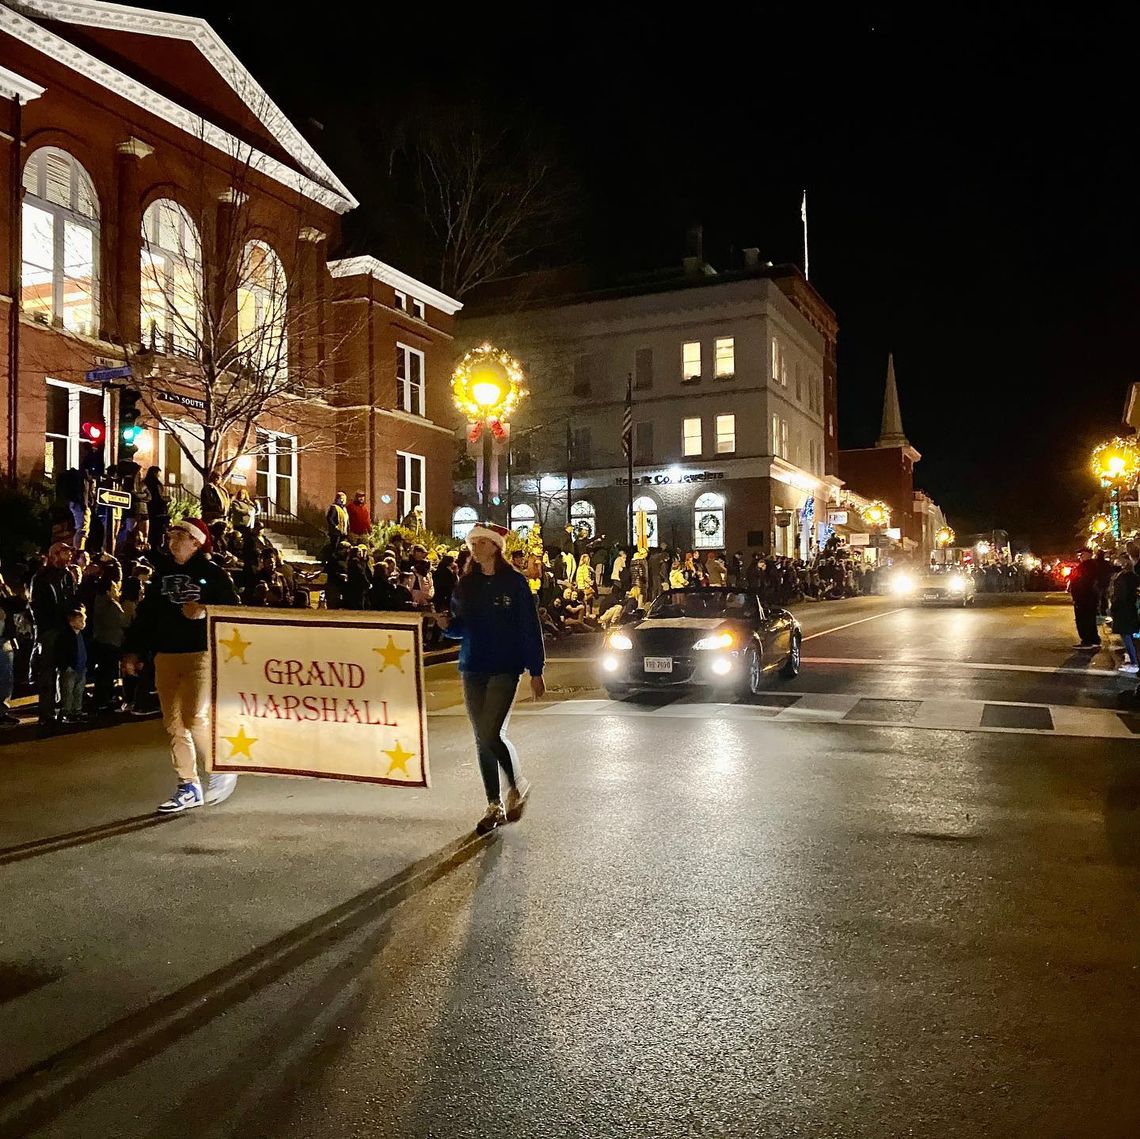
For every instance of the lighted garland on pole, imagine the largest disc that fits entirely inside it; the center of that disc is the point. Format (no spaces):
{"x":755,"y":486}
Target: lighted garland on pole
{"x":487,"y":367}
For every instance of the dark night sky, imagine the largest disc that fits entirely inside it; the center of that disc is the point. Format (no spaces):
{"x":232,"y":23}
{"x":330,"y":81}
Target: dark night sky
{"x":971,"y":185}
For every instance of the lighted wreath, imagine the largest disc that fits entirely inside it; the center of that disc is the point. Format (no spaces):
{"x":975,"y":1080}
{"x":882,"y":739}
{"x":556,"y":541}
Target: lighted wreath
{"x":487,"y":384}
{"x":709,"y":525}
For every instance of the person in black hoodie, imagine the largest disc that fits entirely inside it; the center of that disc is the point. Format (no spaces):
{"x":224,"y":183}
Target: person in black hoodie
{"x":170,"y":623}
{"x":1084,"y":589}
{"x":53,"y":594}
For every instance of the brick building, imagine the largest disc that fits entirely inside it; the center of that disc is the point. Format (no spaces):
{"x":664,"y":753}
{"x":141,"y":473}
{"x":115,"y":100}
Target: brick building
{"x":886,"y":472}
{"x":183,"y":228}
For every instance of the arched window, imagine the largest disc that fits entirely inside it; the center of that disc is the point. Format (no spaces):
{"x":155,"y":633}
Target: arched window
{"x":522,"y":519}
{"x":583,"y":515}
{"x":262,"y":300}
{"x":708,"y":522}
{"x":59,"y":275}
{"x":650,"y":507}
{"x":461,"y":522}
{"x":171,"y":279}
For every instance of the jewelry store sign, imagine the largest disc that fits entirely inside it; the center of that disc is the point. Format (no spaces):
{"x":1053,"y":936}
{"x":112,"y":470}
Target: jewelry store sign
{"x":671,"y":478}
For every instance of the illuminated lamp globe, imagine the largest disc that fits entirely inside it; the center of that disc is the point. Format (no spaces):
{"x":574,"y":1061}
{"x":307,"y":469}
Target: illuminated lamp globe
{"x":1116,"y":461}
{"x":944,"y":536}
{"x":488,"y":384}
{"x":1101,"y":524}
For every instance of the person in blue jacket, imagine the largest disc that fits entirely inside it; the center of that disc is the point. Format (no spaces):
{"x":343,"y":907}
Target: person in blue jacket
{"x":494,"y":615}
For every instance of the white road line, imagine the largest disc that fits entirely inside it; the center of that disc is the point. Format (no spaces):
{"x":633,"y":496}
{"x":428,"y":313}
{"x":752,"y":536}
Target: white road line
{"x":850,"y":624}
{"x":950,"y":663}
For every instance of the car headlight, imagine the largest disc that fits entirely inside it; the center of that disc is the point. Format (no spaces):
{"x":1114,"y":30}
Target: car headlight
{"x":718,"y":641}
{"x":619,"y":641}
{"x":903,"y":584}
{"x":957,"y":585}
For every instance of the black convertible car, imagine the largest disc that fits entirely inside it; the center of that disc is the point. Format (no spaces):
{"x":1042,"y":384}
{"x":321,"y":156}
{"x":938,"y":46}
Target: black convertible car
{"x":719,"y":638}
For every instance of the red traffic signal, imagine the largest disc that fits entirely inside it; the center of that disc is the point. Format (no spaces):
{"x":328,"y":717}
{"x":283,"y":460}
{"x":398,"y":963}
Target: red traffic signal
{"x":93,"y":432}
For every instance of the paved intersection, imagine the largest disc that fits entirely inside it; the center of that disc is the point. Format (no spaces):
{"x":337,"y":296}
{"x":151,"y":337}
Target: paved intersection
{"x":768,"y":918}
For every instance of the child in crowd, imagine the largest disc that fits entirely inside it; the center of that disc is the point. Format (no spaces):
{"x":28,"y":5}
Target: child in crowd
{"x":72,"y":656}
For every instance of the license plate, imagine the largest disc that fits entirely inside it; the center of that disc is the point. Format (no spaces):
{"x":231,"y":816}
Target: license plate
{"x":932,"y":595}
{"x":658,"y":664}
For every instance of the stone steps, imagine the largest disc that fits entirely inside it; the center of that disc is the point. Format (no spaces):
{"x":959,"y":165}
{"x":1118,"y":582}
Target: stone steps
{"x":290,"y":551}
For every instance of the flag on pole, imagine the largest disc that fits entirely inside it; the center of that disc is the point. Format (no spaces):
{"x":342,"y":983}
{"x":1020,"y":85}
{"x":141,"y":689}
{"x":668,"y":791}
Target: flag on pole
{"x":803,"y":218}
{"x":627,"y":418}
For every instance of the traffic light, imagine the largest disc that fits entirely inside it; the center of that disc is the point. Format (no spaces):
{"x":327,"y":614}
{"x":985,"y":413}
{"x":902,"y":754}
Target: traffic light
{"x":129,"y":427}
{"x":93,"y":433}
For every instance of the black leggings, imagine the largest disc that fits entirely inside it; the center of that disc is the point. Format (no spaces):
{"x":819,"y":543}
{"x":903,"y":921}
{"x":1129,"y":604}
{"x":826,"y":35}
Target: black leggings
{"x":489,"y":698}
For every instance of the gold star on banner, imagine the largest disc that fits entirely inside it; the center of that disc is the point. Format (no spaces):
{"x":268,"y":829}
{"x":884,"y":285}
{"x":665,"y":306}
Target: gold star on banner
{"x":399,"y":757}
{"x":391,"y":655}
{"x":235,"y":647}
{"x":241,"y":743}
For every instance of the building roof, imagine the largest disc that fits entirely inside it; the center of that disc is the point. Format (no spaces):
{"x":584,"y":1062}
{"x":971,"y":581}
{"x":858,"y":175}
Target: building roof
{"x":570,"y":285}
{"x":359,"y":266}
{"x":892,"y":433}
{"x":131,"y":51}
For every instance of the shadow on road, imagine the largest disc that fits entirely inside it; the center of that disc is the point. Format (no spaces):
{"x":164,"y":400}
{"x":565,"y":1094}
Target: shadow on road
{"x":46,"y":1090}
{"x":82,"y":837}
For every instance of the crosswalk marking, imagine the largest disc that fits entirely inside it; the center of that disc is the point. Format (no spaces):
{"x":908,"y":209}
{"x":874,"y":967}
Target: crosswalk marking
{"x":982,"y":666}
{"x":851,"y":709}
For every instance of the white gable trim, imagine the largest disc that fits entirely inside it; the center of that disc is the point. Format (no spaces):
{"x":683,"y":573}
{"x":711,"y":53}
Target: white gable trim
{"x":359,"y":266}
{"x":13,"y":86}
{"x":334,"y":195}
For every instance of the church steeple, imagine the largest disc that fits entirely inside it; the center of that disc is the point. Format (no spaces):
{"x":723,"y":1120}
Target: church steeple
{"x":892,"y":433}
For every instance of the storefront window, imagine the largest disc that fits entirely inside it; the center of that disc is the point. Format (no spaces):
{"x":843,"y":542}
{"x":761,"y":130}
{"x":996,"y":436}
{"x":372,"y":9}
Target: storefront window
{"x":462,"y":521}
{"x":68,"y":408}
{"x":584,"y":516}
{"x":650,"y":508}
{"x":522,"y":519}
{"x":708,"y":522}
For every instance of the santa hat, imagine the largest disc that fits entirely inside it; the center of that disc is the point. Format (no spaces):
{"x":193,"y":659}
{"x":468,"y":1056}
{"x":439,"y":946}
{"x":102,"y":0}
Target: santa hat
{"x":197,"y":529}
{"x":497,"y":534}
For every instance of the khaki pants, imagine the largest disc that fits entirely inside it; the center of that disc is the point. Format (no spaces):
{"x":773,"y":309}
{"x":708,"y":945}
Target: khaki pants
{"x":182,"y":681}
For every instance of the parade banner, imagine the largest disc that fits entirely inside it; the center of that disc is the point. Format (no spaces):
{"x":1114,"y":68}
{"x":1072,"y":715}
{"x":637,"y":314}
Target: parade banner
{"x":326,"y":694}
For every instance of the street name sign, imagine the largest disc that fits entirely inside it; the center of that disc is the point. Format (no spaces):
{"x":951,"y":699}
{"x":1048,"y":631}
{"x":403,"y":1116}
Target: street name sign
{"x":116,"y":499}
{"x":106,"y":375}
{"x":321,"y":694}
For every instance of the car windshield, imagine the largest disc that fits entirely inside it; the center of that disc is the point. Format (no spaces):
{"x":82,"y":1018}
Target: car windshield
{"x":700,"y":603}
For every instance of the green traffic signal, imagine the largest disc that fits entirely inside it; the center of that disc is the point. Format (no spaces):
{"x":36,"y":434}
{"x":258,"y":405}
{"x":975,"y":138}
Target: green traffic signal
{"x":129,"y":427}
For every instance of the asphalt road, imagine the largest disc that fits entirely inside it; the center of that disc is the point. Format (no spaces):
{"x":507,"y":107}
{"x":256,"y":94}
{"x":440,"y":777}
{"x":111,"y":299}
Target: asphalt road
{"x":895,"y":897}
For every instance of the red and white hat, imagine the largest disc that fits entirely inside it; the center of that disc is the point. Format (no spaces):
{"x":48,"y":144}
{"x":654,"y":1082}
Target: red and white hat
{"x":197,"y":529}
{"x":497,"y":534}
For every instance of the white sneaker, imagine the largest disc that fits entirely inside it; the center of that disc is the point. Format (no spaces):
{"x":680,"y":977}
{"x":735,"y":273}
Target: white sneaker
{"x":1131,"y":668}
{"x":221,"y":787}
{"x":186,"y":795}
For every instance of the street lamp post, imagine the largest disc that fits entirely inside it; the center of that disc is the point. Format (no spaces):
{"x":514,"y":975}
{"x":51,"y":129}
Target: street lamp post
{"x":487,"y":385}
{"x":877,"y":515}
{"x":1116,"y":464}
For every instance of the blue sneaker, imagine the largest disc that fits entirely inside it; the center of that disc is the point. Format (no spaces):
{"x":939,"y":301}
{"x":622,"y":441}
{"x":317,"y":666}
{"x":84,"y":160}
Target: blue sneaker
{"x":186,"y":795}
{"x":220,"y":788}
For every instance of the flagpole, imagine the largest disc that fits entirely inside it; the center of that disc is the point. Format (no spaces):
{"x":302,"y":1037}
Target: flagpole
{"x":803,"y":218}
{"x":629,"y":456}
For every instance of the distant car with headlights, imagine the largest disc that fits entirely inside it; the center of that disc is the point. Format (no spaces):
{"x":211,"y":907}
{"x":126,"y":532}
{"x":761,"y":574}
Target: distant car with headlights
{"x":722,"y":639}
{"x":935,"y":586}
